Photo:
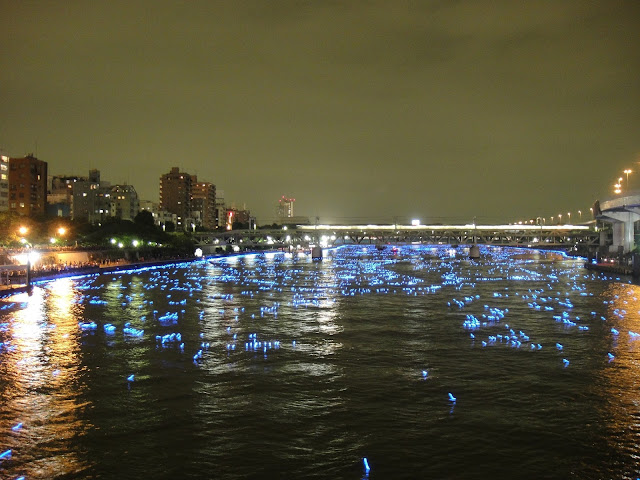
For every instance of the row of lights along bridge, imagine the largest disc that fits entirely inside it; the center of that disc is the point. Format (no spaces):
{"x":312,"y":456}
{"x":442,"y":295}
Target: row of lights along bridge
{"x":617,"y":189}
{"x":556,"y":219}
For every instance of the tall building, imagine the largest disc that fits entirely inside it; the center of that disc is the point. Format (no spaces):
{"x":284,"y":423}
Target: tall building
{"x":203,"y":200}
{"x":4,"y":183}
{"x":27,"y":186}
{"x":175,"y":196}
{"x":285,"y":207}
{"x":60,"y":194}
{"x":91,"y":199}
{"x":220,"y":209}
{"x":235,"y":216}
{"x":124,"y":202}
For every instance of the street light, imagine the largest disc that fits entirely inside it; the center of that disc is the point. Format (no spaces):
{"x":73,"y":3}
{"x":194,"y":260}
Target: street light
{"x":559,"y":218}
{"x":580,"y":213}
{"x":61,"y":231}
{"x":569,"y":213}
{"x":627,"y":172}
{"x":23,"y":231}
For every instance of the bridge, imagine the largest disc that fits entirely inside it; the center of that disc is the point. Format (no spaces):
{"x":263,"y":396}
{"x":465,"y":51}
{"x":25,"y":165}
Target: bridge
{"x":579,"y":238}
{"x":622,"y":212}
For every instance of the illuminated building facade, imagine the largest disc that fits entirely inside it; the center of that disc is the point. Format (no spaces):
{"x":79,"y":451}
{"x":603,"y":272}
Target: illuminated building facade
{"x":4,"y":183}
{"x":203,"y":201}
{"x":220,"y":209}
{"x":175,"y":196}
{"x":124,"y":202}
{"x":236,"y":217}
{"x":60,"y":194}
{"x":91,"y":199}
{"x":285,"y":207}
{"x":27,"y":186}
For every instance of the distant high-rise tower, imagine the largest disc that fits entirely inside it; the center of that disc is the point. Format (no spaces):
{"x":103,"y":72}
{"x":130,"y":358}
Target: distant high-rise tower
{"x":4,"y":183}
{"x":27,"y":185}
{"x":285,"y":207}
{"x":203,"y":200}
{"x":175,"y":196}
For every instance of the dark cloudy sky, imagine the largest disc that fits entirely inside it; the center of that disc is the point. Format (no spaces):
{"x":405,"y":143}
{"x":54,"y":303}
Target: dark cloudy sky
{"x":451,"y":109}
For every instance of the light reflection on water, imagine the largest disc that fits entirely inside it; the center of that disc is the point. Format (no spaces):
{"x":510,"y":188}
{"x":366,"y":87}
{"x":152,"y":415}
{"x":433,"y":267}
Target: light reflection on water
{"x":41,"y":384}
{"x":302,"y":368}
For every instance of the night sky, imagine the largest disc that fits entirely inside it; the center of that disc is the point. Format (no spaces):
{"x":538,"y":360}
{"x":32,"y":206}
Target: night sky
{"x":361,"y":110}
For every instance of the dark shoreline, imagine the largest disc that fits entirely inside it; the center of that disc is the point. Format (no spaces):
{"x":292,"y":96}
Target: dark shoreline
{"x":609,"y":268}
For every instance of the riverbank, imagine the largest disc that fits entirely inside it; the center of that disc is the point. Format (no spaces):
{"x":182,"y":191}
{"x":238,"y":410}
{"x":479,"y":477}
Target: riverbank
{"x":609,"y":268}
{"x":93,"y":270}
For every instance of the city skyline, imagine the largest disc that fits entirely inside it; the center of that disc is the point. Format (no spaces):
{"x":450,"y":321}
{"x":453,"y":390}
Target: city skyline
{"x":378,"y":109}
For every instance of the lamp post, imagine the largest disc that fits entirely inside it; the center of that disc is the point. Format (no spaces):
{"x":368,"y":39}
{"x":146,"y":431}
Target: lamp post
{"x":580,"y":214}
{"x":627,"y":171}
{"x":559,"y":218}
{"x":23,"y":231}
{"x":569,"y":214}
{"x":61,"y":232}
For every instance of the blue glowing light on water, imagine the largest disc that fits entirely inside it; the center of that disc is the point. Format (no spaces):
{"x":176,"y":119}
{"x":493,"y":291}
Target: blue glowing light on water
{"x":305,"y":367}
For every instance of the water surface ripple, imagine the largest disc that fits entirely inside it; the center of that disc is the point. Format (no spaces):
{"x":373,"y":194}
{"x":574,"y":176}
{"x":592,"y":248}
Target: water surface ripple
{"x":275,"y":366}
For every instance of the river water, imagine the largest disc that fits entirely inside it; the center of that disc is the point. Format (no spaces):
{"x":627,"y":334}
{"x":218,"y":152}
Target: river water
{"x":281,"y":367}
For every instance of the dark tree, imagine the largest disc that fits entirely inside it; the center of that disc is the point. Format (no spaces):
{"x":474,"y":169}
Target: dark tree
{"x":145,"y":218}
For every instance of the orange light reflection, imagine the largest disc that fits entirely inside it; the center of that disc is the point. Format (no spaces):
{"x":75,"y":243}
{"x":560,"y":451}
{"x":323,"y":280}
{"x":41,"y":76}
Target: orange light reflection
{"x":42,"y":371}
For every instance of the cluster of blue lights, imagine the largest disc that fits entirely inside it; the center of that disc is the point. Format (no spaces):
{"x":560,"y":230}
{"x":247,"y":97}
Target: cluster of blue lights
{"x":269,"y":289}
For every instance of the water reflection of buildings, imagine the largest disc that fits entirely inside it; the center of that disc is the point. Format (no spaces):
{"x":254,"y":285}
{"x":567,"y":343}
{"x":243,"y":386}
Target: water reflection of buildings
{"x":41,"y":388}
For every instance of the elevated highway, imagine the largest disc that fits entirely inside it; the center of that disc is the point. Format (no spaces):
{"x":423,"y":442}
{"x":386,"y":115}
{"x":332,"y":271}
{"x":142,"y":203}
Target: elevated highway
{"x":623,"y":213}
